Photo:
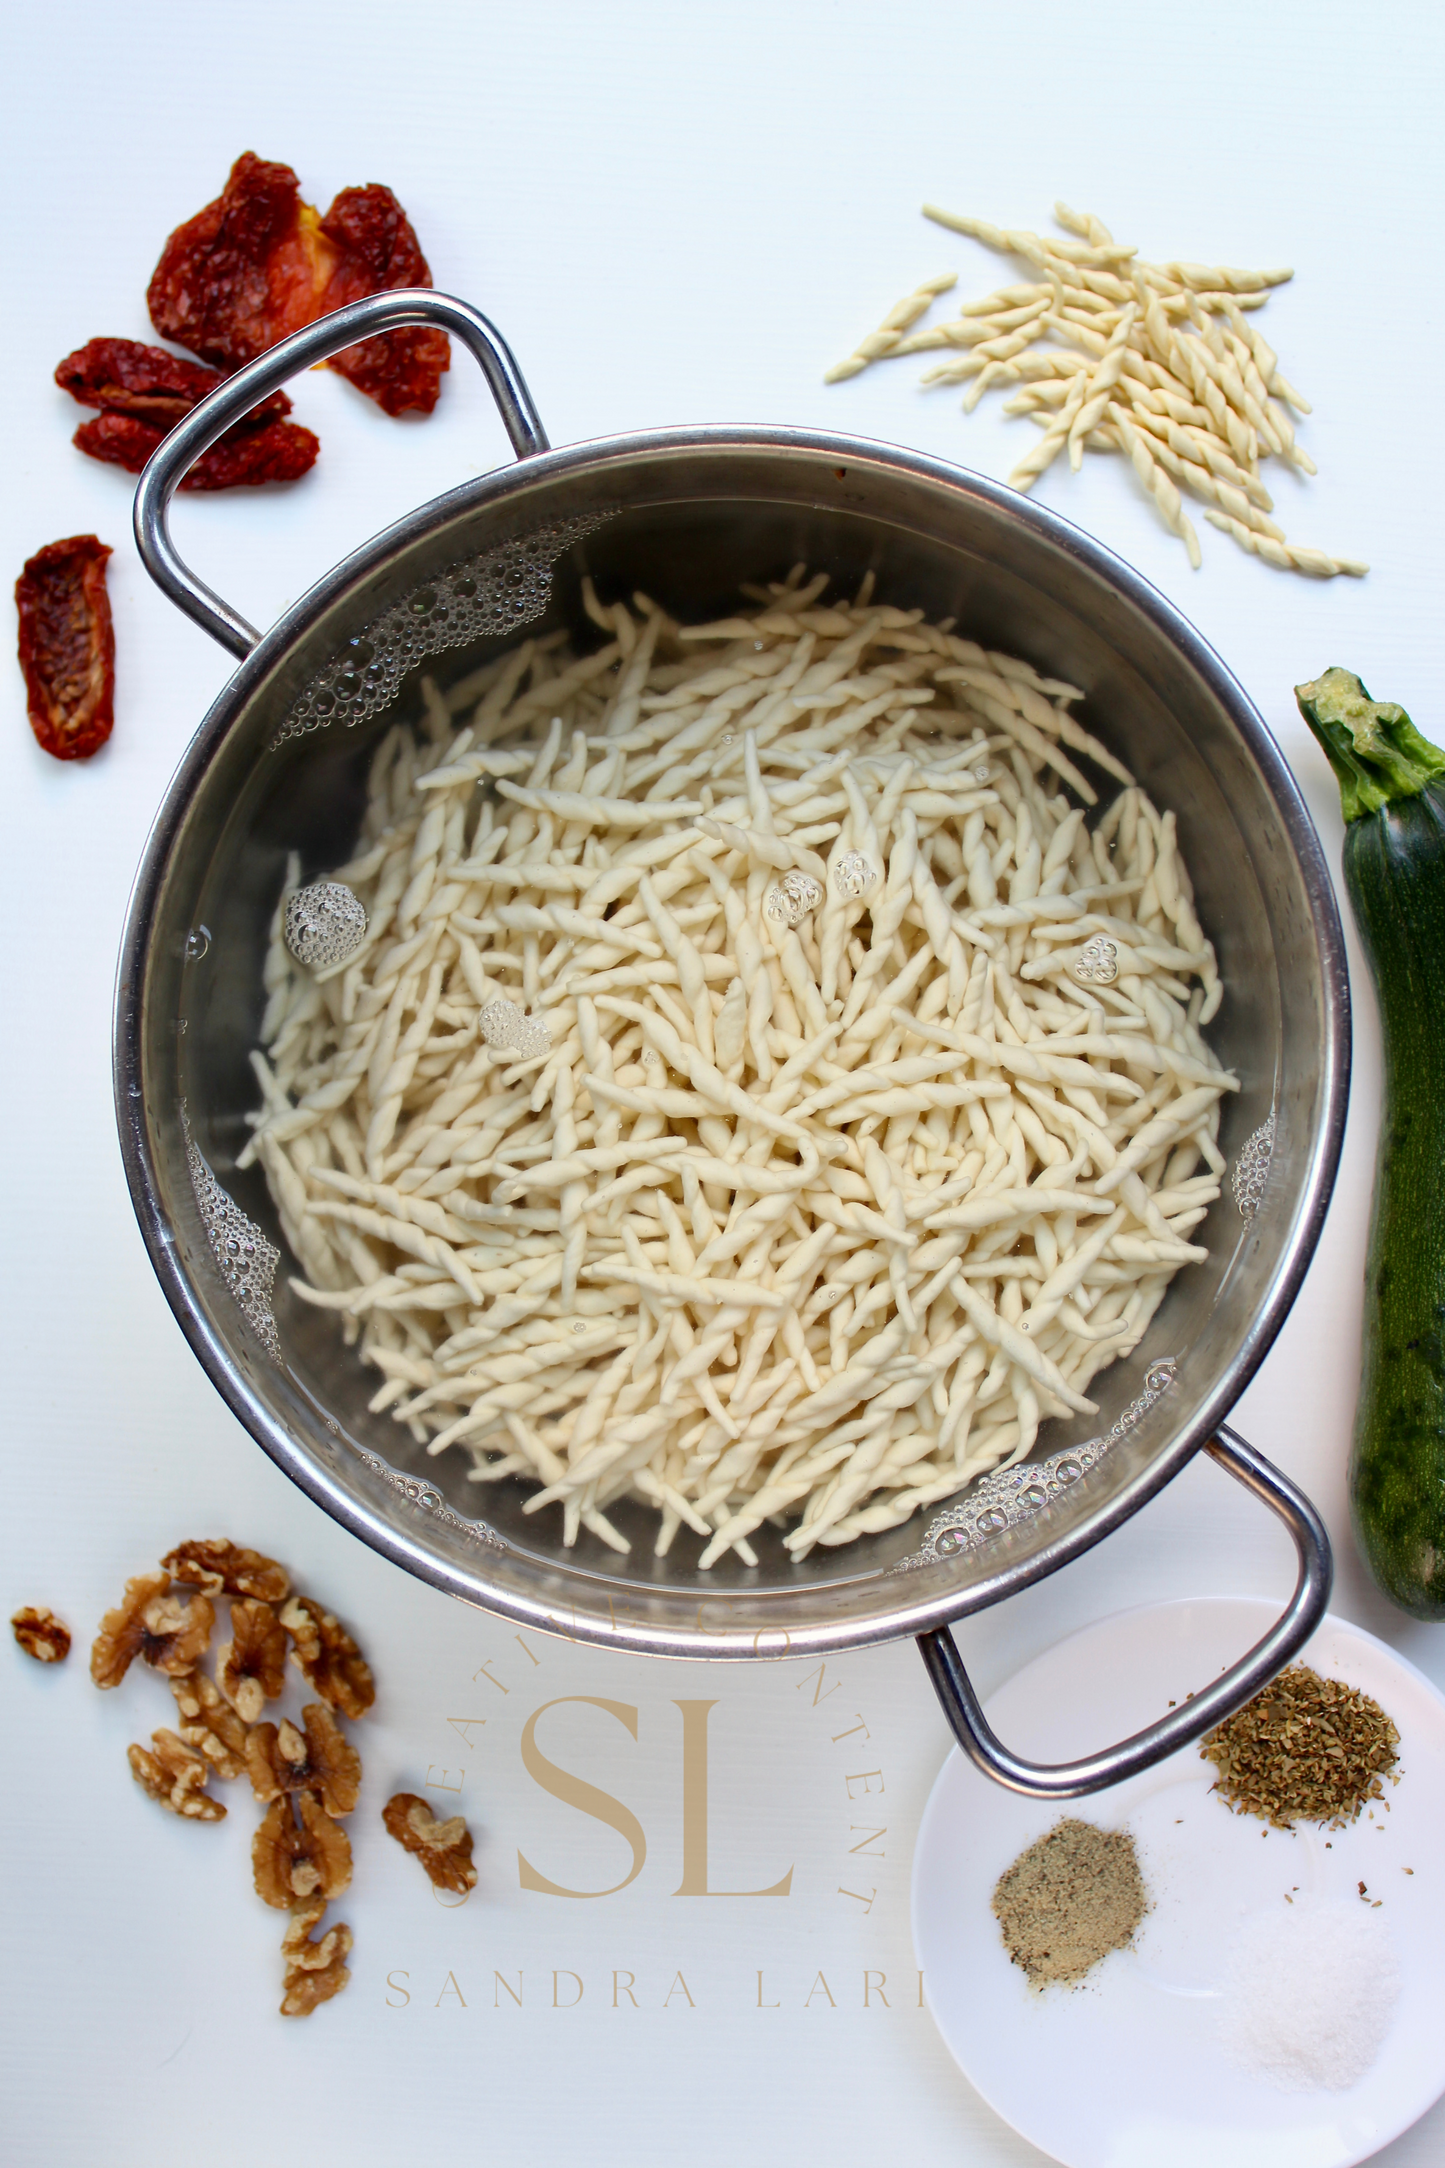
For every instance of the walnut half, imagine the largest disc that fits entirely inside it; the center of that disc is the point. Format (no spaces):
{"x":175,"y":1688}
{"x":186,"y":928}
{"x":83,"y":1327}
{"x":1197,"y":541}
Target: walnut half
{"x":300,"y":1854}
{"x":41,"y":1634}
{"x":151,"y":1623}
{"x":444,"y":1848}
{"x":328,"y":1658}
{"x":216,"y":1566}
{"x":175,"y":1775}
{"x":315,"y":1971}
{"x":321,"y":1759}
{"x":210,"y":1724}
{"x":251,"y":1666}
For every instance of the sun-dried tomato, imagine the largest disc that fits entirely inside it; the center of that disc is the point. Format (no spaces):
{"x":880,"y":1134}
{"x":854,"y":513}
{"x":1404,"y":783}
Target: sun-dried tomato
{"x":278,"y":453}
{"x":240,"y":274}
{"x":258,"y":263}
{"x":377,"y":250}
{"x":123,"y":376}
{"x":144,"y":392}
{"x":67,"y":646}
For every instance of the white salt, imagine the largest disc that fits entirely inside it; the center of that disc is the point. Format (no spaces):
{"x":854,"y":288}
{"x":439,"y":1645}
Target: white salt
{"x":1309,"y":1992}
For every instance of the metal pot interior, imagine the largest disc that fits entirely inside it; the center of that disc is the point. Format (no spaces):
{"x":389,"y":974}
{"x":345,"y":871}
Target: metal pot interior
{"x":687,"y":518}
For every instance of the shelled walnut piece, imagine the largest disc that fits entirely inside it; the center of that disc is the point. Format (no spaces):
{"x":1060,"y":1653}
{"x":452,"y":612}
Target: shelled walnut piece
{"x":41,"y":1634}
{"x":230,"y":1568}
{"x":175,"y":1774}
{"x":299,"y":1854}
{"x":315,"y":1971}
{"x":210,"y":1724}
{"x":251,"y":1666}
{"x":169,"y":1634}
{"x":444,"y":1848}
{"x":328,"y":1658}
{"x":309,"y":1772}
{"x":319,"y":1759}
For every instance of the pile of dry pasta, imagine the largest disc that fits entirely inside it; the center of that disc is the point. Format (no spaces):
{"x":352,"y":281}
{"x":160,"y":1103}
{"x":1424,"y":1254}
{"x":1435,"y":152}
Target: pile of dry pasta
{"x":1158,"y":361}
{"x":859,"y":1111}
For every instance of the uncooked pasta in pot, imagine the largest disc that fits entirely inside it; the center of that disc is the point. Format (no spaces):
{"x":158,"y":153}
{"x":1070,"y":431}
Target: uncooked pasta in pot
{"x":759,"y":1090}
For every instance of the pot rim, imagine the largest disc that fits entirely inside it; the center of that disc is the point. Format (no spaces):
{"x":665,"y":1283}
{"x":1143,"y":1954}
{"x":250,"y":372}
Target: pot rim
{"x":915,"y":1612}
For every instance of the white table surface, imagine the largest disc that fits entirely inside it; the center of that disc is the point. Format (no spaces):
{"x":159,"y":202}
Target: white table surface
{"x":676,"y":215}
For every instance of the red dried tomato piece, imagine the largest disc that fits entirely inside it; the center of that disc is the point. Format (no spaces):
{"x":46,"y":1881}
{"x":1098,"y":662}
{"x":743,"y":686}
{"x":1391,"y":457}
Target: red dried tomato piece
{"x":144,"y":391}
{"x":67,"y":646}
{"x":121,"y":440}
{"x":279,"y":452}
{"x":242,"y":273}
{"x":376,"y":250}
{"x":259,"y":263}
{"x":122,"y":376}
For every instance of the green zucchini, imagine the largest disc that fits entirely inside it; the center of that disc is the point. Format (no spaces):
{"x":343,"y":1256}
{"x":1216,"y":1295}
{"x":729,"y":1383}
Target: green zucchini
{"x":1394,"y":865}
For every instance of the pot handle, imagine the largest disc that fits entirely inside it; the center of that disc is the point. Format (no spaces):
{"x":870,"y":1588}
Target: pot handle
{"x":365,"y":319}
{"x":1096,"y":1772}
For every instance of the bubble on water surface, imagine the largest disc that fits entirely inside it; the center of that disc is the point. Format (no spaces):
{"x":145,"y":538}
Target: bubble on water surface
{"x":853,"y":876}
{"x":491,"y":593}
{"x":792,"y":899}
{"x":1097,"y":963}
{"x":324,"y":924}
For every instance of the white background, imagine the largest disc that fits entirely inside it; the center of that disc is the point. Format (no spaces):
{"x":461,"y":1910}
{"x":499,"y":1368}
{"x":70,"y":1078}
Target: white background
{"x":676,"y":215}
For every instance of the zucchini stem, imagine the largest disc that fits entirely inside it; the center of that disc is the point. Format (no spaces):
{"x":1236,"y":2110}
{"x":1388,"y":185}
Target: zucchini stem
{"x":1375,"y":750}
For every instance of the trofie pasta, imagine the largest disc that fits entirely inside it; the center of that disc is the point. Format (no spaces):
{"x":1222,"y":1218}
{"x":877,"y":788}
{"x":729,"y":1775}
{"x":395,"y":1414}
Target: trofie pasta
{"x":759,"y":1091}
{"x":1158,"y":361}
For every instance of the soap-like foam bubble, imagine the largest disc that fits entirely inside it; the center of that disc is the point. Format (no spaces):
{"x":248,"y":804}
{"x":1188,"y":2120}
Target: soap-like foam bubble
{"x":491,"y":593}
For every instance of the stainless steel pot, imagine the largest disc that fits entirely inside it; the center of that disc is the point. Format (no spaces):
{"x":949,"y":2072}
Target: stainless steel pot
{"x":687,"y":514}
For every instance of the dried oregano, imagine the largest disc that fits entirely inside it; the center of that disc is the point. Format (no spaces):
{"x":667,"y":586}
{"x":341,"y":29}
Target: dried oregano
{"x":1306,"y":1749}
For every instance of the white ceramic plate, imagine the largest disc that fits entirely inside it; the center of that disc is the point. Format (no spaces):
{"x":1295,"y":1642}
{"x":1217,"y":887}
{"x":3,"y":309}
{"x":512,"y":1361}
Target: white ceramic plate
{"x":1125,"y":2070}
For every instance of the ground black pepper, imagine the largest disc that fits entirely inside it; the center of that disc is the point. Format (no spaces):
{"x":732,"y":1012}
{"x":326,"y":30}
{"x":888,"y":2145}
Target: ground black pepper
{"x":1069,"y":1900}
